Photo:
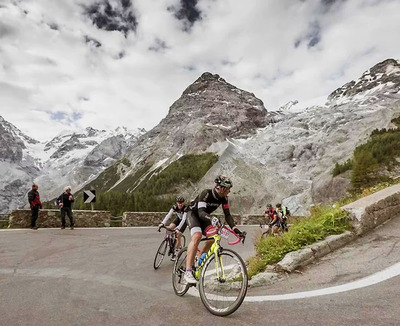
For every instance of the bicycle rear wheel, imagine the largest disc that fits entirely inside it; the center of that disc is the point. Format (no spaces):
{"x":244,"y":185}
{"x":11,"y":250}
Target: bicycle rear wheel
{"x":162,"y":249}
{"x":180,"y":286}
{"x":183,"y":241}
{"x":223,"y":295}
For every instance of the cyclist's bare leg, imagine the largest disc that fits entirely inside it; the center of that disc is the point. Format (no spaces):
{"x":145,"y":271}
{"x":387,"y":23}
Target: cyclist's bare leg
{"x":206,"y":246}
{"x":178,"y":241}
{"x":172,"y":226}
{"x":192,"y":248}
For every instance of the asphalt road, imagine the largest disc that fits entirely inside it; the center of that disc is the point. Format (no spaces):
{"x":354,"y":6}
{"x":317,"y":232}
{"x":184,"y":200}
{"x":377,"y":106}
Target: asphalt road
{"x":106,"y":277}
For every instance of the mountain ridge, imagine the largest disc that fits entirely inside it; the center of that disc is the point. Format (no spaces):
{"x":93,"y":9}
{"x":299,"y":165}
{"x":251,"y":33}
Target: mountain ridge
{"x":271,"y":156}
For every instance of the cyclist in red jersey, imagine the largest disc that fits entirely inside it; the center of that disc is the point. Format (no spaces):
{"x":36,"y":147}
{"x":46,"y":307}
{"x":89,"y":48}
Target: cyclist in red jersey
{"x":272,"y":218}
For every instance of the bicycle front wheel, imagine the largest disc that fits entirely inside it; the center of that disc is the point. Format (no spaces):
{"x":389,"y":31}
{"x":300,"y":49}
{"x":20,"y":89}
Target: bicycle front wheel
{"x":223,"y":283}
{"x":162,"y":249}
{"x":180,"y":286}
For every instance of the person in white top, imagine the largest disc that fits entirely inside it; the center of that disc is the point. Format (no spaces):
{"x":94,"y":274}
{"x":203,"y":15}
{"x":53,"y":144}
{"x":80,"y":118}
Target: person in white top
{"x":178,"y":224}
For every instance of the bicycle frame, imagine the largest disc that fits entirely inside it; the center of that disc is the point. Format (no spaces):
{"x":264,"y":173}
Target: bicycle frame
{"x":214,"y":250}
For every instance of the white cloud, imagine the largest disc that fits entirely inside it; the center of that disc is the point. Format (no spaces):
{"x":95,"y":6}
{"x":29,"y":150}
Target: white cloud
{"x":47,"y":69}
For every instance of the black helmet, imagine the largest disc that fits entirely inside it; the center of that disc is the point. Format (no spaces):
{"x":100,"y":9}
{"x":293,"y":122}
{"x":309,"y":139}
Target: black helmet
{"x":223,"y":181}
{"x":278,"y":205}
{"x":180,"y":199}
{"x":269,"y":205}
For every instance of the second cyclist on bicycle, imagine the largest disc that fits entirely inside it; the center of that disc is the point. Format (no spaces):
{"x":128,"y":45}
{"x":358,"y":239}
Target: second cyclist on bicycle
{"x":178,"y":224}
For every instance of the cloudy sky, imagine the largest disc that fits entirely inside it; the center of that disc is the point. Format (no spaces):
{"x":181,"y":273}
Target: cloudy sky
{"x":69,"y":64}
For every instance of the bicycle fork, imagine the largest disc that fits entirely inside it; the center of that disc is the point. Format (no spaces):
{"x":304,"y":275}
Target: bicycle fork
{"x":219,"y":267}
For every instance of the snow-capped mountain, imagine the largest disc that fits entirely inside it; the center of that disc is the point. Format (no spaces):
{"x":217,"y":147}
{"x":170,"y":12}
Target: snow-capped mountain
{"x":18,"y":167}
{"x":284,"y":156}
{"x":68,"y":159}
{"x":271,"y":156}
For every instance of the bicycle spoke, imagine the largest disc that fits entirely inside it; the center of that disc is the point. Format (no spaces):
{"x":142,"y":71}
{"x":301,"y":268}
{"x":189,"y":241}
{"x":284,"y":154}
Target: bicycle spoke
{"x":223,"y":283}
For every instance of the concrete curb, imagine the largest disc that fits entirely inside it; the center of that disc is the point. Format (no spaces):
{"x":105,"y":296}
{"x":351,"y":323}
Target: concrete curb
{"x":366,"y":214}
{"x":303,"y":257}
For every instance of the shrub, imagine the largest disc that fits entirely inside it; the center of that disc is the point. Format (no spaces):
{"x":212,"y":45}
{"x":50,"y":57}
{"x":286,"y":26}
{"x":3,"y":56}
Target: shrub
{"x":340,"y":168}
{"x":324,"y":221}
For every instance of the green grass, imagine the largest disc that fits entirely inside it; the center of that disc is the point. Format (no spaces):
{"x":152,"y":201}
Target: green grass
{"x":324,"y":221}
{"x":371,"y":160}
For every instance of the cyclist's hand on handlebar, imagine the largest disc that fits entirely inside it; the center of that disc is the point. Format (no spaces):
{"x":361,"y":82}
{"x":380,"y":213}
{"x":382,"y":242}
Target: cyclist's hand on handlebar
{"x":215,"y":221}
{"x":237,"y":231}
{"x":177,"y":231}
{"x":160,"y":226}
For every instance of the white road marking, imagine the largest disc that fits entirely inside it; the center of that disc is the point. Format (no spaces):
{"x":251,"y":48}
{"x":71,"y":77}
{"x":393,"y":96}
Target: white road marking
{"x":376,"y":278}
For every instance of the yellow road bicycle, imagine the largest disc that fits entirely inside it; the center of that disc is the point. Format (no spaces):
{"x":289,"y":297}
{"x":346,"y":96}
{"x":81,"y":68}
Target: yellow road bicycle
{"x":222,"y":275}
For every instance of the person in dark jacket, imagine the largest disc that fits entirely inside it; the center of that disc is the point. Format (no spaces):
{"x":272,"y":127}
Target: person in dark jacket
{"x":65,"y":201}
{"x":35,"y":204}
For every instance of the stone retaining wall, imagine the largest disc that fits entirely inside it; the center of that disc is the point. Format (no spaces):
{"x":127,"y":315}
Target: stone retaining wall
{"x":51,"y":218}
{"x":371,"y":211}
{"x":155,"y":218}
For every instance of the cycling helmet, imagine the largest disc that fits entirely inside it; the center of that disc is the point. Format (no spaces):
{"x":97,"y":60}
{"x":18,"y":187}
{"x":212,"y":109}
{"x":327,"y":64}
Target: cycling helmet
{"x":223,"y":181}
{"x":180,"y":199}
{"x":278,"y":205}
{"x":269,"y":205}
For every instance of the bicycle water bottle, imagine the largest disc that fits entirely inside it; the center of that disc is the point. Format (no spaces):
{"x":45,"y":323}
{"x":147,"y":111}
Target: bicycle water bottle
{"x":203,"y":255}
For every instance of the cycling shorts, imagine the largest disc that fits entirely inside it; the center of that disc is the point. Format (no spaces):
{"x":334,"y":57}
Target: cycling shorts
{"x":276,"y":223}
{"x":195,"y":223}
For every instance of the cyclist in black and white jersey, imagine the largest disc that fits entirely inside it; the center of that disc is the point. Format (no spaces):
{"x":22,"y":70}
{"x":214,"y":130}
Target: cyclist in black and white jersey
{"x":178,"y":224}
{"x":199,"y":218}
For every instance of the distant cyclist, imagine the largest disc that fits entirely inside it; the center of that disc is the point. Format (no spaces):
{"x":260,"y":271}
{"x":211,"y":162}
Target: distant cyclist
{"x":272,"y":218}
{"x":283,"y":213}
{"x":178,"y":224}
{"x":199,"y":218}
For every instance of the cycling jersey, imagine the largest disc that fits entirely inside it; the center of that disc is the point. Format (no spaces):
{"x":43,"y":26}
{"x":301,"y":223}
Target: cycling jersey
{"x":272,"y":217}
{"x":180,"y":217}
{"x":204,"y":204}
{"x":283,"y":211}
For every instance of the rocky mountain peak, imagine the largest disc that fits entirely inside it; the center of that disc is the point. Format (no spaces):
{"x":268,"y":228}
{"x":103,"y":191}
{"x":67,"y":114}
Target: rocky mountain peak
{"x":384,"y":74}
{"x":206,"y":80}
{"x":211,"y":110}
{"x":13,"y":142}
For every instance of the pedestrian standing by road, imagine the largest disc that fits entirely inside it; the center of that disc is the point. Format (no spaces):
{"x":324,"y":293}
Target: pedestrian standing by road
{"x":65,"y":201}
{"x":35,"y":203}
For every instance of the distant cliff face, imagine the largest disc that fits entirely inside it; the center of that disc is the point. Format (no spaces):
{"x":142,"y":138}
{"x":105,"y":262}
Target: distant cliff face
{"x":209,"y":110}
{"x":384,"y":77}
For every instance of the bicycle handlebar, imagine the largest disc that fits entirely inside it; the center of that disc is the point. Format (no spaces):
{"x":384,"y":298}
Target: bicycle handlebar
{"x":167,"y":228}
{"x":240,"y":237}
